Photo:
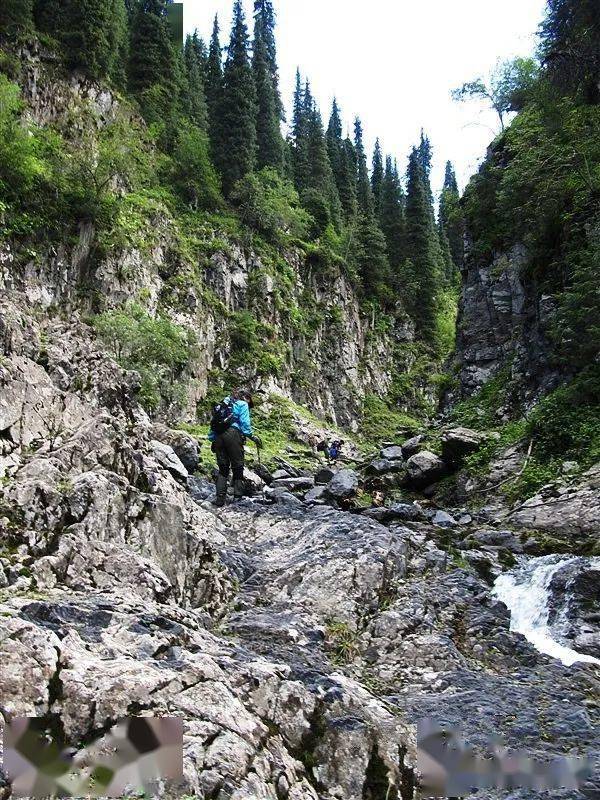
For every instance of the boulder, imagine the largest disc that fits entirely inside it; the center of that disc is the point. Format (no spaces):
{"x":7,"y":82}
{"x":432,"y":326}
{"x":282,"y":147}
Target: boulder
{"x":280,"y":474}
{"x":343,"y":485}
{"x":282,"y":496}
{"x":400,"y":512}
{"x":393,"y":453}
{"x":383,"y":466}
{"x":492,"y":538}
{"x":412,"y":446}
{"x":168,"y":459}
{"x":443,"y":520}
{"x":424,"y":468}
{"x":323,"y":476}
{"x":574,"y":604}
{"x":458,"y":443}
{"x":185,"y":446}
{"x":316,"y":494}
{"x":294,"y":484}
{"x":254,"y":483}
{"x":263,"y":473}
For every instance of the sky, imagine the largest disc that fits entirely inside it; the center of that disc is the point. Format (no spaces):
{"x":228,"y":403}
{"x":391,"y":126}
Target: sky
{"x":394,"y":63}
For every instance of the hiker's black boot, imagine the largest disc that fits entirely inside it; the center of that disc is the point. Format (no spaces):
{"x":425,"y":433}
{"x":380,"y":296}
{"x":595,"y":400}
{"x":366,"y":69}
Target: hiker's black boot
{"x":221,"y":497}
{"x":238,"y":490}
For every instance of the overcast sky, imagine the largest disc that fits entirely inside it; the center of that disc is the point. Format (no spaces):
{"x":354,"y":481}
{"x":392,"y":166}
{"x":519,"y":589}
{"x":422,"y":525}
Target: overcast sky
{"x":394,"y":62}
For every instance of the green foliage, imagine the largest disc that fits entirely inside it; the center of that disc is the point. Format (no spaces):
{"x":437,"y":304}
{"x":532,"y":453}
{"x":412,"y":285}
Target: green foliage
{"x":22,"y":166}
{"x":421,"y":270}
{"x":566,"y":423}
{"x":570,"y":35}
{"x":94,"y":35}
{"x":381,"y":423}
{"x":255,"y":345}
{"x":16,"y":16}
{"x":270,"y":204}
{"x":269,"y":143}
{"x":481,"y":410}
{"x":508,"y":87}
{"x":235,"y":145}
{"x":194,"y":176}
{"x":156,"y":347}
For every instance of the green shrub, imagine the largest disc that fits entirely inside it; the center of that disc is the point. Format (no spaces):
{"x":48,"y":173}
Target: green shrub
{"x":256,"y":345}
{"x":566,"y":424}
{"x":194,"y":176}
{"x":270,"y":205}
{"x":156,"y":347}
{"x":381,"y":423}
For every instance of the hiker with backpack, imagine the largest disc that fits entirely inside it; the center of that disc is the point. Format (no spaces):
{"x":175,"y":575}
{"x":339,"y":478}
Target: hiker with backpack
{"x":230,"y":426}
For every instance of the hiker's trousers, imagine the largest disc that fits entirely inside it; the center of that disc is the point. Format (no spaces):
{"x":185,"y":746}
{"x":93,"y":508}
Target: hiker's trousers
{"x":229,"y":450}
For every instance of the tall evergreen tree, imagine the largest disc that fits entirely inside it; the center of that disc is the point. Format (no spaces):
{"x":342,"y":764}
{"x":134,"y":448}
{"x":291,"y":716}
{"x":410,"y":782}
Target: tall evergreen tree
{"x":269,"y":144}
{"x":320,"y":178}
{"x":300,"y":122}
{"x":213,"y":85}
{"x":16,"y":15}
{"x":363,"y":185}
{"x":422,"y":245}
{"x":391,"y":215}
{"x":236,"y":148}
{"x":451,"y":217}
{"x":195,"y":99}
{"x":264,"y":16}
{"x":153,"y":73}
{"x":377,"y":175}
{"x":343,"y":163}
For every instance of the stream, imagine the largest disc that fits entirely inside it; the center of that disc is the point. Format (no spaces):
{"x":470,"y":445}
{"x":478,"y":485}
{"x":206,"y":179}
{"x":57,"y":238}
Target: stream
{"x":525,"y":591}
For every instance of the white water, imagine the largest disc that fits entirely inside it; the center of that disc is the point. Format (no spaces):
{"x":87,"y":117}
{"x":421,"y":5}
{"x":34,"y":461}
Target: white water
{"x":524,"y":590}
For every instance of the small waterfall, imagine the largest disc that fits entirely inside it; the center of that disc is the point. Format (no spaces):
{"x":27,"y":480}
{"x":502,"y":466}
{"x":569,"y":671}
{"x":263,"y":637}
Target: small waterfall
{"x":524,"y":590}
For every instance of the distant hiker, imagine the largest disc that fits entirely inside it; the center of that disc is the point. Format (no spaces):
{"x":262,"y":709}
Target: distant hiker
{"x":229,"y":427}
{"x":335,"y":450}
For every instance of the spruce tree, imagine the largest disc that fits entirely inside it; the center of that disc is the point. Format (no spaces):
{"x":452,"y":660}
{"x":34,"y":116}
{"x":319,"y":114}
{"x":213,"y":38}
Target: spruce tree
{"x":152,"y":61}
{"x":422,"y":246}
{"x":391,"y":215}
{"x":449,"y":272}
{"x":348,"y":190}
{"x":371,"y":261}
{"x":377,"y":175}
{"x":269,"y":144}
{"x":363,"y":187}
{"x":264,"y":16}
{"x":343,"y":163}
{"x":235,"y":152}
{"x":451,"y":217}
{"x":300,"y":122}
{"x":93,"y":34}
{"x":16,"y":16}
{"x":321,"y":180}
{"x":195,"y":99}
{"x":213,"y":86}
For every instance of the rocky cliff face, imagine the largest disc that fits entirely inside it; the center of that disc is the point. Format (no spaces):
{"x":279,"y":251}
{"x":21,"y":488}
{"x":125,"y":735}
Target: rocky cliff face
{"x":503,"y":326}
{"x":329,"y":364}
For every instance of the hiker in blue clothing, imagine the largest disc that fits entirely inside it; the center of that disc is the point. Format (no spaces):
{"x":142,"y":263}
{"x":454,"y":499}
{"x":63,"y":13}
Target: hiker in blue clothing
{"x":229,"y":428}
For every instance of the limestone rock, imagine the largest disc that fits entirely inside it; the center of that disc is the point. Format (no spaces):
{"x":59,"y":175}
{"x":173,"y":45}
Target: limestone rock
{"x":424,"y":468}
{"x":343,"y":485}
{"x":392,"y":453}
{"x":412,"y":446}
{"x":458,"y":443}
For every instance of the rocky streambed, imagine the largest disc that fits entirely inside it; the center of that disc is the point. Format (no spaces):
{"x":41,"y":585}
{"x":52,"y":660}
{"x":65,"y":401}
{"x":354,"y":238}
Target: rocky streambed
{"x":300,"y":642}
